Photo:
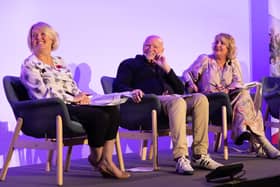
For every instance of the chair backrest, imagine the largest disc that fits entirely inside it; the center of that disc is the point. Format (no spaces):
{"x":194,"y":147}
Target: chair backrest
{"x":271,"y":94}
{"x":15,"y":91}
{"x":107,"y":84}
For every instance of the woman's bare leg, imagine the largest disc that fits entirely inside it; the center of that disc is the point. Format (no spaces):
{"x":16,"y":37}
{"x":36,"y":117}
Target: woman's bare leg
{"x":95,"y":155}
{"x":107,"y":164}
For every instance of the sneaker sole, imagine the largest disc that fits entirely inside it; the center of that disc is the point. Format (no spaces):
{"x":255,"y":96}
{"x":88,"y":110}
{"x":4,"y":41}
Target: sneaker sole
{"x":185,"y":172}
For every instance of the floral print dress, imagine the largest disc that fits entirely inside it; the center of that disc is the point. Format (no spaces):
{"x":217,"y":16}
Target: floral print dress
{"x":208,"y":77}
{"x":45,"y":81}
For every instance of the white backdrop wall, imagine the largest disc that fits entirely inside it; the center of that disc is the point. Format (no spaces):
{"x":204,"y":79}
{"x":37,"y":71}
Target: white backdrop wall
{"x":96,"y":36}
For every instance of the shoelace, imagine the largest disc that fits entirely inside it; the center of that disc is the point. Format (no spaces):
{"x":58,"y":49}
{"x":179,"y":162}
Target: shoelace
{"x":183,"y":161}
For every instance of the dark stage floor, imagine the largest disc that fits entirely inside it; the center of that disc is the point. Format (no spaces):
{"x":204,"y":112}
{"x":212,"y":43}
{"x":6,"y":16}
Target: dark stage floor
{"x":82,"y":174}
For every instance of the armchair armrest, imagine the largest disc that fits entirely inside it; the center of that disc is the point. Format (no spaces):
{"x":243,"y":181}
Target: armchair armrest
{"x":55,"y":106}
{"x":137,"y":116}
{"x":216,"y":101}
{"x":271,"y":87}
{"x":271,"y":95}
{"x":40,"y":116}
{"x":256,"y":96}
{"x":258,"y":93}
{"x":41,"y":103}
{"x":253,"y":84}
{"x":273,"y":104}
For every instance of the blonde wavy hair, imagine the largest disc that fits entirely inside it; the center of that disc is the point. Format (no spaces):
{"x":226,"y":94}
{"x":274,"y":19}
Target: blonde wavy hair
{"x":48,"y":29}
{"x":229,"y":42}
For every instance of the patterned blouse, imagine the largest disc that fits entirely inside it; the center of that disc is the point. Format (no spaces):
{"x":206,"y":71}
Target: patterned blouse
{"x":45,"y":81}
{"x":208,"y":76}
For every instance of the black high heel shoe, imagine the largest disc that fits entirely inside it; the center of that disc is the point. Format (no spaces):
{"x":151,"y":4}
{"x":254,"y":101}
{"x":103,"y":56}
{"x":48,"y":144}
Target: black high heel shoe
{"x":93,"y":162}
{"x":246,"y":135}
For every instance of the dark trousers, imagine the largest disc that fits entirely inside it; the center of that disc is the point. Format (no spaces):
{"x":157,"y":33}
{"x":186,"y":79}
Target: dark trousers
{"x":100,"y":122}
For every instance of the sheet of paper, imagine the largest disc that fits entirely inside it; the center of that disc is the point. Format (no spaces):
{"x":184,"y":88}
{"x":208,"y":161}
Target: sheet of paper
{"x":140,"y":169}
{"x":110,"y":99}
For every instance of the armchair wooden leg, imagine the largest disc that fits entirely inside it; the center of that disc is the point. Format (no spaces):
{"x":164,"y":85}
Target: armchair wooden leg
{"x":11,"y":149}
{"x":59,"y":150}
{"x":49,"y":160}
{"x":155,"y":140}
{"x":218,"y":139}
{"x":143,"y":149}
{"x":119,"y":152}
{"x":225,"y":137}
{"x":150,"y":156}
{"x":68,"y":158}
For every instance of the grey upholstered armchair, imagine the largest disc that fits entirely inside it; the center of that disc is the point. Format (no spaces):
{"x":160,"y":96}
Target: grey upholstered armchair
{"x":46,"y":119}
{"x":145,"y":120}
{"x":271,"y":95}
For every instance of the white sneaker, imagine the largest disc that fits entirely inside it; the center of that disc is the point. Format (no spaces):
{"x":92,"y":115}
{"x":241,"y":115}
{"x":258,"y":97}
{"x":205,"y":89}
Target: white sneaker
{"x":183,"y":166}
{"x":205,"y":162}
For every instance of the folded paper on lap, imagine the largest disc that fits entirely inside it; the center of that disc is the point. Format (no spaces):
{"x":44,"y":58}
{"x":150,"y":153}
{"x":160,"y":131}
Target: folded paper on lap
{"x":110,"y":99}
{"x":183,"y":96}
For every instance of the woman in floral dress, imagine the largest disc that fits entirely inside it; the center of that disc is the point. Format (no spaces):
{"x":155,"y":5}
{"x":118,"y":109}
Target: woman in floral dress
{"x":220,"y":72}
